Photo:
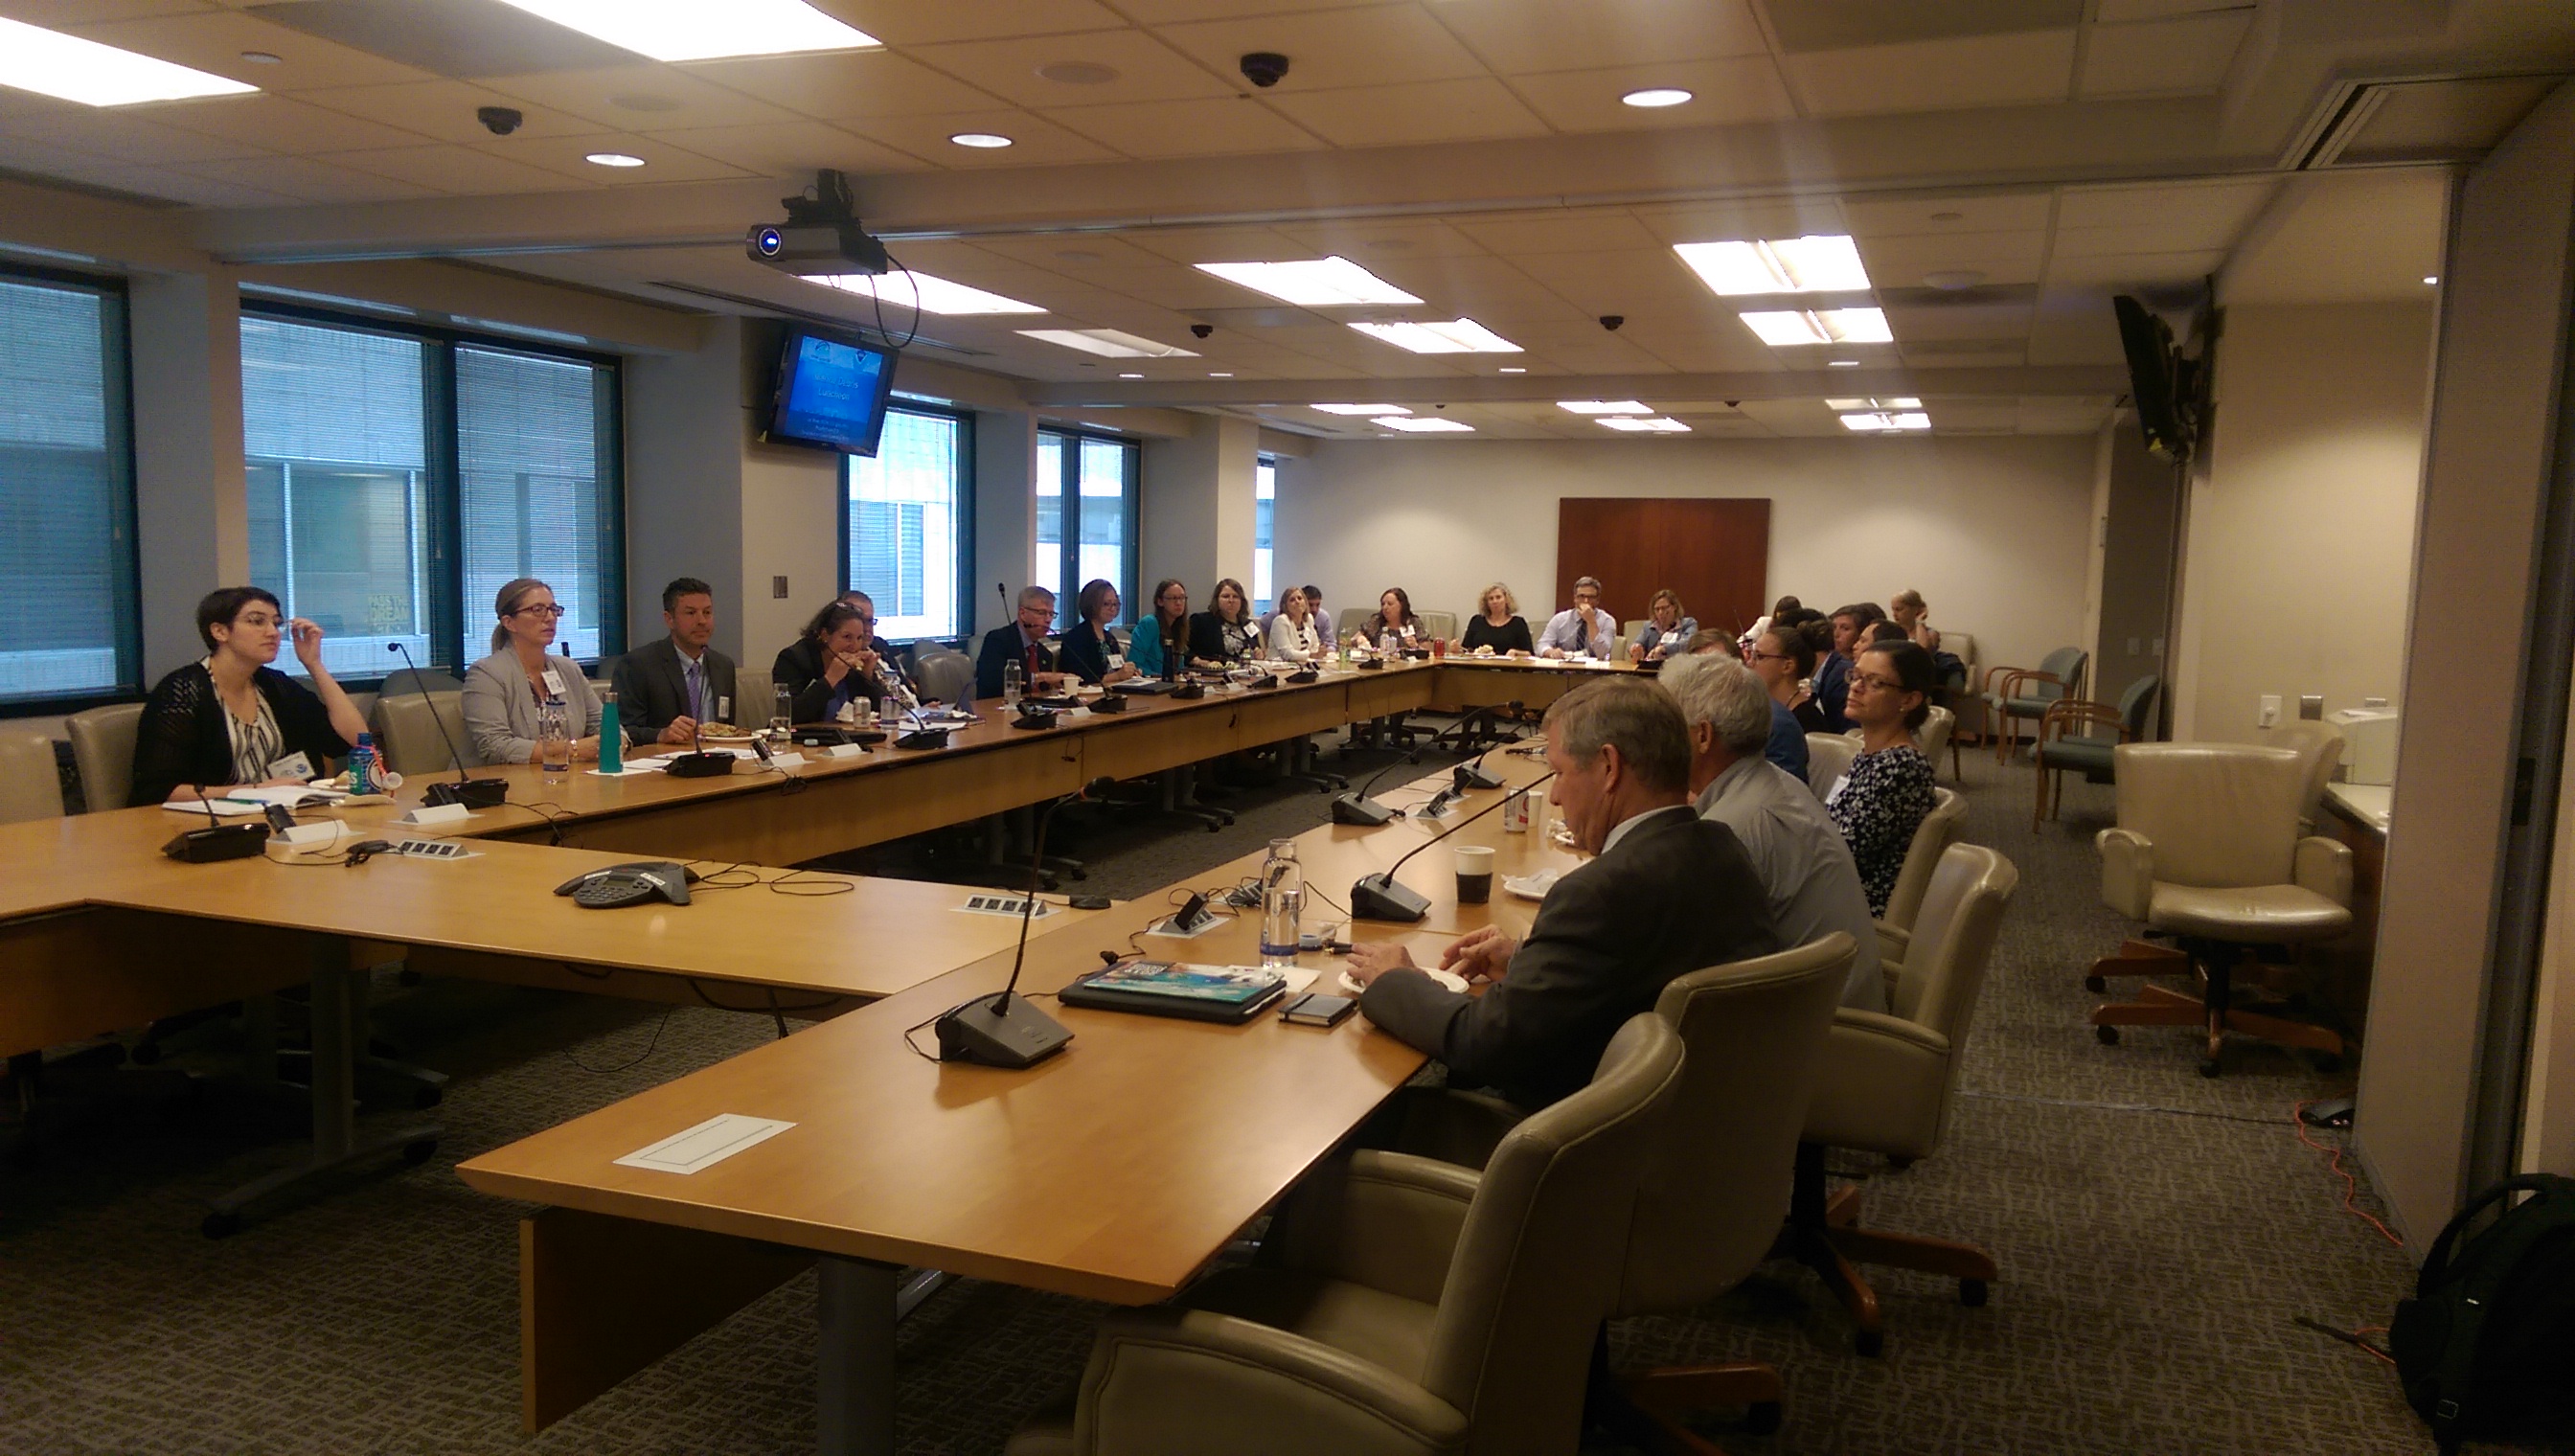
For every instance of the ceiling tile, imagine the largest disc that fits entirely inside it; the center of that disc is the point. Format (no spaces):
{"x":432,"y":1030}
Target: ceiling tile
{"x":662,"y":161}
{"x":1382,"y":45}
{"x":1392,"y":242}
{"x":214,"y":41}
{"x":1596,"y":231}
{"x":60,"y":14}
{"x":1718,"y":222}
{"x":1962,"y":320}
{"x":1516,"y":36}
{"x":1936,"y":75}
{"x":926,"y":22}
{"x":122,"y":135}
{"x":176,"y":186}
{"x":1432,"y":111}
{"x":2223,"y":205}
{"x":453,"y":169}
{"x":305,"y":178}
{"x":1173,"y":287}
{"x":2131,"y":270}
{"x":2075,"y":326}
{"x":783,"y":149}
{"x":1723,"y":93}
{"x":1036,"y":142}
{"x":846,"y":84}
{"x":633,"y":97}
{"x":1901,"y":261}
{"x":1617,"y":282}
{"x":1147,"y":69}
{"x":1223,"y":245}
{"x":1075,"y":254}
{"x":1830,"y":25}
{"x":2185,"y":55}
{"x":1998,"y":212}
{"x":1703,"y":351}
{"x":280,"y":123}
{"x":1488,"y":290}
{"x":1171,"y":12}
{"x":1225,"y":123}
{"x":445,"y":110}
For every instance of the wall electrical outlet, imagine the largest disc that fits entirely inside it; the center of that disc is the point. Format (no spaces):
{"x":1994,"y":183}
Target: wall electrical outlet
{"x":2311,"y":706}
{"x":2269,"y":715}
{"x":2132,"y":647}
{"x":778,"y":588}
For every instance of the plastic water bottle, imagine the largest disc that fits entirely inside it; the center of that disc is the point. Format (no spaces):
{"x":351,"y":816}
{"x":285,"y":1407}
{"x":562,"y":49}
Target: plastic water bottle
{"x":1010,"y":685}
{"x":1282,"y":905}
{"x":612,"y":743}
{"x":362,"y":765}
{"x":554,"y":742}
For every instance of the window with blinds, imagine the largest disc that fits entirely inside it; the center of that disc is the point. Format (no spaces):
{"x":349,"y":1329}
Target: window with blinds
{"x":398,"y":479}
{"x":1085,"y":490}
{"x":66,"y":488}
{"x":903,"y":528}
{"x":1264,"y":513}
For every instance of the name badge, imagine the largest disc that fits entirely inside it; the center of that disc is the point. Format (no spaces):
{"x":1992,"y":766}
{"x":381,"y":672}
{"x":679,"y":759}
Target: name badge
{"x":553,"y":683}
{"x":1115,"y":662}
{"x":1836,"y":791}
{"x":293,"y":765}
{"x":723,"y":710}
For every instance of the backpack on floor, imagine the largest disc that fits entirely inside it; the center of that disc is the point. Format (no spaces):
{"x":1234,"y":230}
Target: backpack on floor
{"x":2486,"y":1346}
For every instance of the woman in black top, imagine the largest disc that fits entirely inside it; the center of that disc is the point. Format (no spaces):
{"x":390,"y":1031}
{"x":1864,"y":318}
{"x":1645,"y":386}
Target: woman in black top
{"x":1882,"y":802}
{"x":833,"y":665}
{"x":232,"y":720}
{"x":1784,"y":659}
{"x":1091,"y":648}
{"x":1225,"y":636}
{"x":1500,"y":626}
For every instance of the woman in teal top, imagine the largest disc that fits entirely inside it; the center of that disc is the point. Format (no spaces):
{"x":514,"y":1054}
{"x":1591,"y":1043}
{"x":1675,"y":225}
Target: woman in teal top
{"x":1160,"y":644}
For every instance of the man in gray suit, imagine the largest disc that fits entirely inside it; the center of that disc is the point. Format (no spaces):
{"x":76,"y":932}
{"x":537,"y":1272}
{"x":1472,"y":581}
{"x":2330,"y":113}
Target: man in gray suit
{"x":1668,"y":894}
{"x":666,"y":689}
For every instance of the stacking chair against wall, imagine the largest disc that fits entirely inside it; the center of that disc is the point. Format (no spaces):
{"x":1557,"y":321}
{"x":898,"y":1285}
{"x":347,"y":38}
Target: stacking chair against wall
{"x":103,"y":748}
{"x":31,"y":788}
{"x":1401,"y":1306}
{"x":1886,"y":1087}
{"x":2017,"y":695}
{"x":2208,"y":854}
{"x":2077,"y":736}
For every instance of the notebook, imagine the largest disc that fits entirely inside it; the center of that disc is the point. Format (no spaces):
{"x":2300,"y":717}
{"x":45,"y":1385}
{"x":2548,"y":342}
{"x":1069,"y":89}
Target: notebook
{"x":1164,"y":989}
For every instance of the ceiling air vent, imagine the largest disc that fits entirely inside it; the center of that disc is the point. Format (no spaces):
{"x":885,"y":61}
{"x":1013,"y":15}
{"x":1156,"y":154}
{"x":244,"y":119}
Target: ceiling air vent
{"x":2414,"y":119}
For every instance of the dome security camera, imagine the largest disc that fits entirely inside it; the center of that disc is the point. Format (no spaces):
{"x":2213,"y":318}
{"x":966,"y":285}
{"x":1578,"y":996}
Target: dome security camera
{"x":499,"y":121}
{"x":1264,"y":69}
{"x":1612,"y":322}
{"x":1202,"y":330}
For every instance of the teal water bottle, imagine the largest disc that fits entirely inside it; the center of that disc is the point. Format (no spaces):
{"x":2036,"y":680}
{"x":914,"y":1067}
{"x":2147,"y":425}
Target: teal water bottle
{"x":612,"y":743}
{"x":362,"y":765}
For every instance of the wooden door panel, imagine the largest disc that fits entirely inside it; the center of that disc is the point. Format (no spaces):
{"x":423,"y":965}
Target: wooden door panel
{"x":1714,"y":553}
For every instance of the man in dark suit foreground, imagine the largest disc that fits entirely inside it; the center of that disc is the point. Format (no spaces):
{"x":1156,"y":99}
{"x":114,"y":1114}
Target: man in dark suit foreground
{"x":1668,"y":894}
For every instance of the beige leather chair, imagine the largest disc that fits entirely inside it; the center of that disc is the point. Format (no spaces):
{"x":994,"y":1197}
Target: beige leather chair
{"x":948,"y":676}
{"x":1828,"y":757}
{"x":412,"y":743}
{"x":103,"y":748}
{"x":1438,"y":624}
{"x":1936,"y":735}
{"x":2320,"y":747}
{"x":1401,"y":1306}
{"x":2209,"y":851}
{"x":1932,"y":839}
{"x":753,"y":691}
{"x":1887,"y":1084}
{"x":31,"y":788}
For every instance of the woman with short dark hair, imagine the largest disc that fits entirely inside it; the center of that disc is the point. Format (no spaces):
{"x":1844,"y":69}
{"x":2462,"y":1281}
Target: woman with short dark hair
{"x":231,"y":720}
{"x":1784,"y":659}
{"x":1881,"y":802}
{"x":1092,"y":650}
{"x":1225,"y":636}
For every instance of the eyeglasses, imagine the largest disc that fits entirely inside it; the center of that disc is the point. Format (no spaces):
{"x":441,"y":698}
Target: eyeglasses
{"x":1876,"y":684}
{"x":867,"y":622}
{"x":1758,"y":655}
{"x":539,"y":611}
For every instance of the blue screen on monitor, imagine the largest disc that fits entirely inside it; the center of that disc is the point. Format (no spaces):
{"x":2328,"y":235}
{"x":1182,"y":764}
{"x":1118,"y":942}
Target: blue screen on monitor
{"x":833,"y":392}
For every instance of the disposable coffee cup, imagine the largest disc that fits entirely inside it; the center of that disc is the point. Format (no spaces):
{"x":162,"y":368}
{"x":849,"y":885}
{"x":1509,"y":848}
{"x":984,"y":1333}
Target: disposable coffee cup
{"x":1474,"y":873}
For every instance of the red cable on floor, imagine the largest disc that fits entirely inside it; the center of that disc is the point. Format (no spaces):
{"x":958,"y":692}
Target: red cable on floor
{"x":2351,"y":1184}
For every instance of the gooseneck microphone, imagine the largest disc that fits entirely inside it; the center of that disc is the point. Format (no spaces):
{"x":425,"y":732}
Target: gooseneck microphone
{"x":1005,"y":1030}
{"x":1380,"y":897}
{"x":218,"y":840}
{"x":1359,"y":808}
{"x":471,"y":793}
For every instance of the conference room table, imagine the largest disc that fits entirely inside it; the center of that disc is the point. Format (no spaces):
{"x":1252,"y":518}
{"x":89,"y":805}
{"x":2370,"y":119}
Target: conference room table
{"x":1115,"y":1171}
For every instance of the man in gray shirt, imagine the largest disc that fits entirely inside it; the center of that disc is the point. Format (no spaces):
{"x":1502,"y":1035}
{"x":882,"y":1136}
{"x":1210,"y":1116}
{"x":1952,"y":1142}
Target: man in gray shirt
{"x":1804,"y":864}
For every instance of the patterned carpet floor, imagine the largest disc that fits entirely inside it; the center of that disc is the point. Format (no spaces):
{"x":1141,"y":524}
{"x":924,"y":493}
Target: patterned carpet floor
{"x":2158,"y":1234}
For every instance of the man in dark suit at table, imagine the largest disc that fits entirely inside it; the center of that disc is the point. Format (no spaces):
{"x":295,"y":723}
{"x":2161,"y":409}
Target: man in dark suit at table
{"x":666,"y":689}
{"x":1022,"y":641}
{"x":1666,"y":894}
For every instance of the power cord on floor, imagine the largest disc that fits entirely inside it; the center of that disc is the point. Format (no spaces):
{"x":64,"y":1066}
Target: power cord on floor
{"x":2358,"y":1337}
{"x":634,"y":1061}
{"x":2351,"y":1184}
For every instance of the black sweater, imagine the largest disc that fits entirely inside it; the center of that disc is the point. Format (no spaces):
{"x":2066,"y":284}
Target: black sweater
{"x":1512,"y":636}
{"x":182,"y":738}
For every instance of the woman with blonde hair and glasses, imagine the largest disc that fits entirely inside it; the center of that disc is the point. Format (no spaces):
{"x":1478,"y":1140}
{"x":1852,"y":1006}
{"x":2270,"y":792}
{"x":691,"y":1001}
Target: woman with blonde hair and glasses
{"x":506,"y":692}
{"x":1667,"y":629}
{"x":1498,"y":624}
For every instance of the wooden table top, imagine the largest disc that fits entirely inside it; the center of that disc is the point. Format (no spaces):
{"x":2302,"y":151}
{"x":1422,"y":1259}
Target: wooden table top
{"x":1115,"y":1170}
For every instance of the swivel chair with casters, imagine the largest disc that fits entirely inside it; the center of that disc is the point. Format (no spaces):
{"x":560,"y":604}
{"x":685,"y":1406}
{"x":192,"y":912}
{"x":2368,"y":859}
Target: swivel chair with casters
{"x":1931,"y":840}
{"x":2015,"y":696}
{"x":2208,"y":854}
{"x":946,"y":675}
{"x":31,"y":785}
{"x":2071,"y":739}
{"x":1401,"y":1306}
{"x":412,"y":742}
{"x":2318,"y":746}
{"x":1886,"y":1085}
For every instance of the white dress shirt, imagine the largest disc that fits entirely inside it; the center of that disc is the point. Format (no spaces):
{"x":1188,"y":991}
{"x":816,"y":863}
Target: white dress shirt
{"x":1560,"y":629}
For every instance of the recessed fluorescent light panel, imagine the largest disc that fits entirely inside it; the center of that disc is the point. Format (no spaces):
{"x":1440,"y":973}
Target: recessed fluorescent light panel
{"x":935,"y":295}
{"x":1658,"y":425}
{"x":1603,"y":406}
{"x":1900,"y":402}
{"x":1420,"y":425}
{"x":689,"y":30}
{"x":1363,"y":409}
{"x":1655,"y":97}
{"x":982,"y":141}
{"x":1881,"y":421}
{"x":1828,"y":326}
{"x":1824,"y":264}
{"x":65,"y":66}
{"x":1108,"y":343}
{"x":612,"y":159}
{"x":1458,"y":336}
{"x":1315,"y":283}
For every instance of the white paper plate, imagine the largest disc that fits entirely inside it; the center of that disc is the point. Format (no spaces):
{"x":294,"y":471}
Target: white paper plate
{"x":1450,"y":980}
{"x":1531,"y":886}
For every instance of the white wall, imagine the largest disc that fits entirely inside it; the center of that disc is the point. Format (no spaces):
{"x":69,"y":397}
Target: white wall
{"x":1194,"y":508}
{"x":2301,"y":537}
{"x":1994,"y":532}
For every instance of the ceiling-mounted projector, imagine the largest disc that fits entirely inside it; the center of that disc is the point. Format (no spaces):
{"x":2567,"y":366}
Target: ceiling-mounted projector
{"x":820,"y":234}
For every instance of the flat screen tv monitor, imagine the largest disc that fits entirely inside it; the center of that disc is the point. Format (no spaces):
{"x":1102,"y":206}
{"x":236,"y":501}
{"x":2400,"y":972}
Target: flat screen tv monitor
{"x":831,"y":391}
{"x":2153,"y":379}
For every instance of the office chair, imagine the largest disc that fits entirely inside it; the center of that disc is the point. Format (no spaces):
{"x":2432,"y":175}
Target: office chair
{"x":410,"y":741}
{"x":1401,"y":1306}
{"x":2013,"y":694}
{"x":1886,"y":1085}
{"x":1828,"y":758}
{"x":2209,"y":855}
{"x":1932,"y":839}
{"x":31,"y":786}
{"x":946,"y":675}
{"x":103,"y":750}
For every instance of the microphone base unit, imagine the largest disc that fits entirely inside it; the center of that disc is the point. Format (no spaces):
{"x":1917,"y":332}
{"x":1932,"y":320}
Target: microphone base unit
{"x":698,"y":765}
{"x":471,"y":793}
{"x":1382,"y":898}
{"x":922,"y":739}
{"x":1349,"y":808}
{"x":1001,"y":1030}
{"x":217,"y":843}
{"x":1475,"y":776}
